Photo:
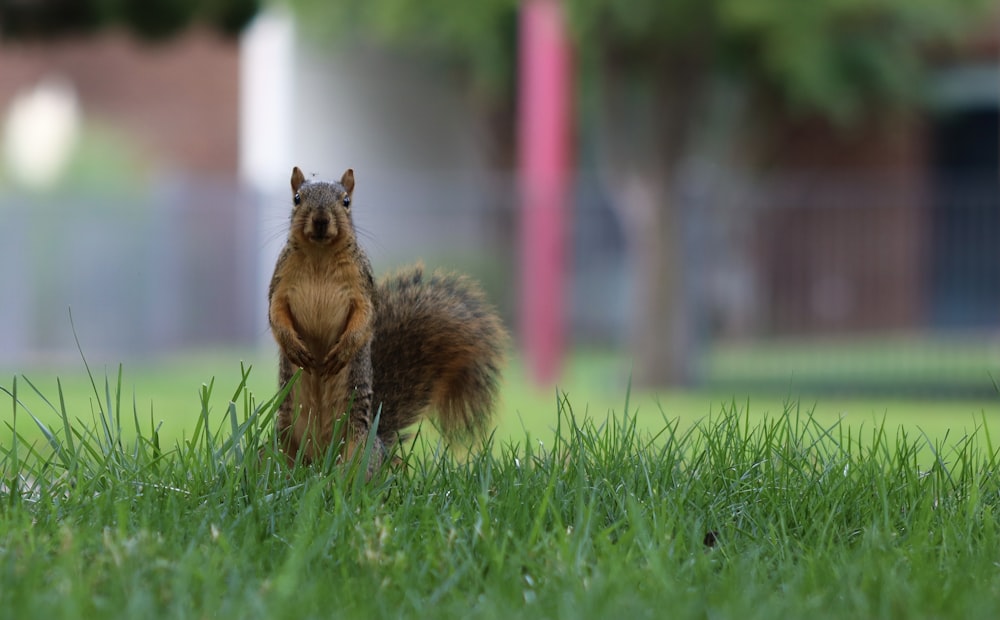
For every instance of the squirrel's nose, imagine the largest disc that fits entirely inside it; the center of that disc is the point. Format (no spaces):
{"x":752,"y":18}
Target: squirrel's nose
{"x":320,"y":226}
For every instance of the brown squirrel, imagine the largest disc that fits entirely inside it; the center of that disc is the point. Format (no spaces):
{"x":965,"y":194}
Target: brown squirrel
{"x":398,"y":348}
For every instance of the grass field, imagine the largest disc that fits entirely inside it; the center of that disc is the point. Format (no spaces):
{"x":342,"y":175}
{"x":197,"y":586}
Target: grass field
{"x":168,"y":392}
{"x":150,"y":501}
{"x":915,"y":363}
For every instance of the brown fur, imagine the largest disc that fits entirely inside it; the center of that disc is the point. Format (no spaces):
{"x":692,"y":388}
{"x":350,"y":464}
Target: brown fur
{"x":453,"y":353}
{"x":406,"y":347}
{"x":321,"y":315}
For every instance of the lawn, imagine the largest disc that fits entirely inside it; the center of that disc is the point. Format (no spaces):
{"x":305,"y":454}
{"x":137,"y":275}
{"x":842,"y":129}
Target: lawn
{"x":595,"y":384}
{"x":690,"y":505}
{"x":915,"y":363}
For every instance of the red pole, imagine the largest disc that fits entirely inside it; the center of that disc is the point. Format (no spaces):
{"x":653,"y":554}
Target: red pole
{"x":543,"y":140}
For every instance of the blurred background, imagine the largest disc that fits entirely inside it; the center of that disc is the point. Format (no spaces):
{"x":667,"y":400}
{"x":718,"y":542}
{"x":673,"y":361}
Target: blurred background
{"x":727,"y":195}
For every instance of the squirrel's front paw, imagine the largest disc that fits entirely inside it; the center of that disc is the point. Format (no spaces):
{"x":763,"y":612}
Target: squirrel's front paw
{"x":332,"y":365}
{"x":300,"y":356}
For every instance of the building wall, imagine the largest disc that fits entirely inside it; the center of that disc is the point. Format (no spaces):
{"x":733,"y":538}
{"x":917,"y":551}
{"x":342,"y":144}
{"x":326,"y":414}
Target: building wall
{"x":177,"y":100}
{"x":163,"y":262}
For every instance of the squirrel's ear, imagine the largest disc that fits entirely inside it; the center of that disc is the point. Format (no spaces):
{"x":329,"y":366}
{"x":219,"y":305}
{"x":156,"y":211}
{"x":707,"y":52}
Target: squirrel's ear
{"x":348,"y":180}
{"x":297,"y":179}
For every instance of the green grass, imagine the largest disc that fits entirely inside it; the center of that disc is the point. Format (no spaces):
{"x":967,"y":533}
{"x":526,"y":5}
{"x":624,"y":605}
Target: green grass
{"x":961,"y":362}
{"x":608,"y":515}
{"x":168,"y":391}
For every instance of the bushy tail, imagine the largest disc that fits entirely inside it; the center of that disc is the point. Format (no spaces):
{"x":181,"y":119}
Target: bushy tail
{"x":438,"y":345}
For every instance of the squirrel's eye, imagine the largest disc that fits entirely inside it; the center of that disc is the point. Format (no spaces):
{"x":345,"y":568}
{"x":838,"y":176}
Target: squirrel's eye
{"x":298,"y":199}
{"x":347,"y":201}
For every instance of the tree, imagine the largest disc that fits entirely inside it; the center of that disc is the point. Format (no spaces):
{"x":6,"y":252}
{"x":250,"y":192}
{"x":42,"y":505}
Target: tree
{"x":656,"y":66}
{"x":651,"y":69}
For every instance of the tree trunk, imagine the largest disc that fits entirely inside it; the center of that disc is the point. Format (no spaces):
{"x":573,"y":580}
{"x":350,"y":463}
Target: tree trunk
{"x":646,"y":121}
{"x":659,"y":324}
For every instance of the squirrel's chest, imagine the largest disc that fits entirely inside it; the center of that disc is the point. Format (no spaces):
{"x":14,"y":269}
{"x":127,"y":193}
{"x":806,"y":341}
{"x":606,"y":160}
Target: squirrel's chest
{"x":320,"y":305}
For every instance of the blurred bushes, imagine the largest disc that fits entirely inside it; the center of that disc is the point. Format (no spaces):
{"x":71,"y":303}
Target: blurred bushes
{"x":150,"y":19}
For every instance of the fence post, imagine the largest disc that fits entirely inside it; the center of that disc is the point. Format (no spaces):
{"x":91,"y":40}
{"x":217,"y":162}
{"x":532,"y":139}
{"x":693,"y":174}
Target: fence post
{"x":543,"y":142}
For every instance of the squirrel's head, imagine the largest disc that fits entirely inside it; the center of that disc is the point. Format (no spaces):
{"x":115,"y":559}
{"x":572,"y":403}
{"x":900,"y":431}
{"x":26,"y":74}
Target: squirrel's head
{"x":321,"y":211}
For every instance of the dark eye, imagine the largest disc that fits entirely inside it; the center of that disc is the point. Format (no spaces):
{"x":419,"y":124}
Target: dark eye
{"x":298,"y":199}
{"x":347,"y":201}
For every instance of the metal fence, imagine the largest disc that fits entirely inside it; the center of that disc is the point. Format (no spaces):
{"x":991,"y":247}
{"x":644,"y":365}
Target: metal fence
{"x":844,"y":284}
{"x":142,"y":272}
{"x":914,"y":277}
{"x":847,"y":284}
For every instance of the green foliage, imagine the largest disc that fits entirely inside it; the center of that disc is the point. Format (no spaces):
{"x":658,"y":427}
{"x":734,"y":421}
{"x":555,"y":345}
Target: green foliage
{"x":837,"y":56}
{"x":785,"y":517}
{"x":229,"y":16}
{"x":476,"y":38}
{"x":156,"y":19}
{"x":151,"y":19}
{"x":832,"y":57}
{"x":650,"y":25}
